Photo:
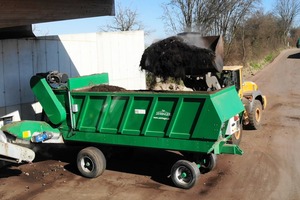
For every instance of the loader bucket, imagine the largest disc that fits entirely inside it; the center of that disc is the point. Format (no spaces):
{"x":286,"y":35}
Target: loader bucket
{"x":213,"y":43}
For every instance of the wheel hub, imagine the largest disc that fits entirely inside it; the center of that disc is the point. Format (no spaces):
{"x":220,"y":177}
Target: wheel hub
{"x":87,"y":164}
{"x":237,"y":134}
{"x":257,"y":115}
{"x":184,"y":175}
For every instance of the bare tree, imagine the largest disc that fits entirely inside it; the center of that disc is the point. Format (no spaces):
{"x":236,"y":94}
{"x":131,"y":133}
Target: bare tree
{"x":206,"y":16}
{"x":207,"y":12}
{"x":179,"y":15}
{"x":124,"y":20}
{"x":255,"y":37}
{"x":233,"y":13}
{"x":287,"y":11}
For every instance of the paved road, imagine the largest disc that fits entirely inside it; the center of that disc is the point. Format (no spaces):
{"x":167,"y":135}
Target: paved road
{"x":269,"y":169}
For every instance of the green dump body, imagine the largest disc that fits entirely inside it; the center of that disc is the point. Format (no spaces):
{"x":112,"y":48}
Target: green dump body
{"x":181,"y":121}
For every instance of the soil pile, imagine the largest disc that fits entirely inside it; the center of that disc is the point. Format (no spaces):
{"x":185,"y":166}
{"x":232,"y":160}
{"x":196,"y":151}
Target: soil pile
{"x":106,"y":88}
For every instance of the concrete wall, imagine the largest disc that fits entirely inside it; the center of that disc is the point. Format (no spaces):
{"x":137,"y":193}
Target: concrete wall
{"x":117,"y":53}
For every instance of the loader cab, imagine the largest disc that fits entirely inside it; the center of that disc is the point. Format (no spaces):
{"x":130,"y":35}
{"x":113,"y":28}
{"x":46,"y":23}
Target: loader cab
{"x":231,"y":75}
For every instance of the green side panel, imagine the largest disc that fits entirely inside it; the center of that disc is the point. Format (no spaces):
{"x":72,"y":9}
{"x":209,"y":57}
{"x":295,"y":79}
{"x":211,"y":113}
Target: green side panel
{"x":25,"y":129}
{"x":91,"y":108}
{"x":99,"y":112}
{"x":208,"y":123}
{"x":188,"y":108}
{"x":51,"y":105}
{"x":162,"y":113}
{"x":135,"y":118}
{"x":80,"y":101}
{"x":85,"y":81}
{"x":111,"y":121}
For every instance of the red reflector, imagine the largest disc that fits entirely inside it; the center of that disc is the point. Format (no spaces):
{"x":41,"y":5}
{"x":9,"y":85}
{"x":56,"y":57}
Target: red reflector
{"x":236,"y":118}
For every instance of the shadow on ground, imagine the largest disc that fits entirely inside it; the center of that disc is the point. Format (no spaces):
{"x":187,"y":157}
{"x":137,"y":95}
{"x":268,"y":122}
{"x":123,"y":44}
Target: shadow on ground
{"x":6,"y":171}
{"x":294,"y":56}
{"x":142,"y":161}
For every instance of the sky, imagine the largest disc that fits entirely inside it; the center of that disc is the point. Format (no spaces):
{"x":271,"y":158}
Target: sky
{"x":149,"y":13}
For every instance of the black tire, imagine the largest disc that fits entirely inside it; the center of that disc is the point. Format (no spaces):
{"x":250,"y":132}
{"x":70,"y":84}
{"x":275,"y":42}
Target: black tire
{"x":255,"y":115}
{"x":208,"y":163}
{"x":185,"y":174}
{"x":91,"y":162}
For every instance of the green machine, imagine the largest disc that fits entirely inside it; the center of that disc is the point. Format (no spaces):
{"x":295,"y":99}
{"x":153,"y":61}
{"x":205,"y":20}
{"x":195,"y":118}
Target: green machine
{"x":199,"y":125}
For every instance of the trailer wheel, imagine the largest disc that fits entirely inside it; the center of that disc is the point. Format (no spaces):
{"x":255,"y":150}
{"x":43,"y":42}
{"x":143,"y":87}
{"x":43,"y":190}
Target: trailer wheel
{"x":236,"y":138}
{"x":185,"y":174}
{"x":208,"y":163}
{"x":91,"y":162}
{"x":255,"y":115}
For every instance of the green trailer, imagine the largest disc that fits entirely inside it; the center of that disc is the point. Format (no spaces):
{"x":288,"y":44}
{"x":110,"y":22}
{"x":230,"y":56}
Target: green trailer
{"x":199,"y":125}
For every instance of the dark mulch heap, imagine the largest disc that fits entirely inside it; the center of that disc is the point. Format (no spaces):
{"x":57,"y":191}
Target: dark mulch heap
{"x":172,"y":57}
{"x":106,"y":88}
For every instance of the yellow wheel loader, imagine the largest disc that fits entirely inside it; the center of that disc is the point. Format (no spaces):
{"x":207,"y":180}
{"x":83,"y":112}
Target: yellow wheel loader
{"x":249,"y":93}
{"x":251,"y":97}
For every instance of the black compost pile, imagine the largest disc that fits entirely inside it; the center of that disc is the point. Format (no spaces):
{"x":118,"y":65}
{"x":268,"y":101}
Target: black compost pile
{"x":173,"y":57}
{"x":106,"y":88}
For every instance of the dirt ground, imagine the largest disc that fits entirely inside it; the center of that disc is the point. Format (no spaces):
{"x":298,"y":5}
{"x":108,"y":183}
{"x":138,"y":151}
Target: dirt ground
{"x":269,"y":168}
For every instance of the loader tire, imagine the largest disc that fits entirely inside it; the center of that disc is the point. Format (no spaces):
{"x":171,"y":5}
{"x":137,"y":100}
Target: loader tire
{"x":185,"y":174}
{"x":255,"y":115}
{"x":91,"y":162}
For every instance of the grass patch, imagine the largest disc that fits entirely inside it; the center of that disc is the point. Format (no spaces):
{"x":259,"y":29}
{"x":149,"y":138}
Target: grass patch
{"x":269,"y":58}
{"x":256,"y":65}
